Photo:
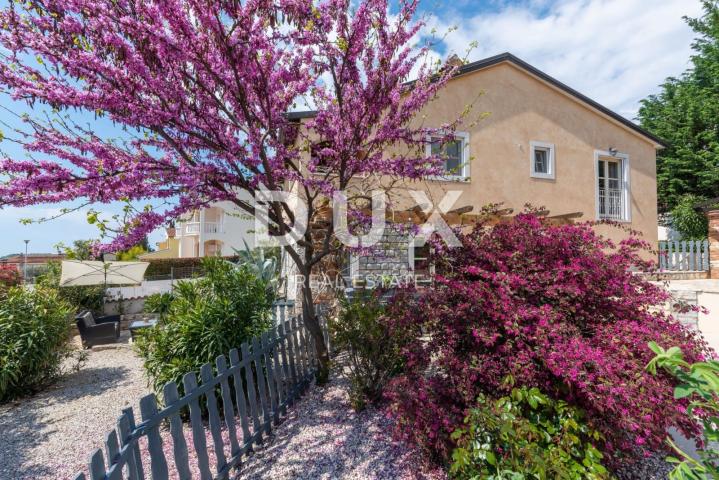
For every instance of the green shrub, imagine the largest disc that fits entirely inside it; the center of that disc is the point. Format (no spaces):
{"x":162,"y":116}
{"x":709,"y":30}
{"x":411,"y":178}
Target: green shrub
{"x":700,"y":383}
{"x":34,"y":332}
{"x":526,"y":435}
{"x":207,"y":318}
{"x":159,"y":303}
{"x":79,"y":298}
{"x":691,"y":223}
{"x":373,"y":349}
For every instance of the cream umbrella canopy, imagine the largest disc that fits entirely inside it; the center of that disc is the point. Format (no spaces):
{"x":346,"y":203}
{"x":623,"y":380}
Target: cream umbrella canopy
{"x":80,"y":273}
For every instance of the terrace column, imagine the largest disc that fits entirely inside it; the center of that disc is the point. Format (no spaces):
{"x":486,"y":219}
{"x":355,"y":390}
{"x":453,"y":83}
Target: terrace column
{"x":713,"y":216}
{"x":201,"y":235}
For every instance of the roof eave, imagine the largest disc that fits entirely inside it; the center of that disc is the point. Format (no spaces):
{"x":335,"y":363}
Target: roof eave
{"x":508,"y":57}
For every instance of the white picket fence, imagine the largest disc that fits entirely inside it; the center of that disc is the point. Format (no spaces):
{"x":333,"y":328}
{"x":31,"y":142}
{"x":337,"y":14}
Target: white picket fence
{"x":685,"y":256}
{"x":245,"y":399}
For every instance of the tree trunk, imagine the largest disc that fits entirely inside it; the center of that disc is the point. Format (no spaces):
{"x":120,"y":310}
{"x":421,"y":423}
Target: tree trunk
{"x":312,"y":322}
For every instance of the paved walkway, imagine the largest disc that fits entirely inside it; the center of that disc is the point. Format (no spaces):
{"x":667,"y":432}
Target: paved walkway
{"x":705,"y":293}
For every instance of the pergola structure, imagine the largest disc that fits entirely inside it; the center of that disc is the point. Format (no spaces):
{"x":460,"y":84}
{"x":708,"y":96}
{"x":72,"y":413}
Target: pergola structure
{"x":458,"y":217}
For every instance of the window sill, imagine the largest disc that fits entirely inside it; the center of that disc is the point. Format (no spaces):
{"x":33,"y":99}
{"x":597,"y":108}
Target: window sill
{"x":449,"y":178}
{"x":541,"y":176}
{"x":617,"y":220}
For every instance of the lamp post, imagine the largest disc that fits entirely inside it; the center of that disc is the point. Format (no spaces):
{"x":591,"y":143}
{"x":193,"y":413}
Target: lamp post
{"x":24,"y":270}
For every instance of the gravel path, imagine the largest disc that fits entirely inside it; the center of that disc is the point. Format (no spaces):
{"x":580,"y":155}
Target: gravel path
{"x":323,"y":438}
{"x":52,"y":434}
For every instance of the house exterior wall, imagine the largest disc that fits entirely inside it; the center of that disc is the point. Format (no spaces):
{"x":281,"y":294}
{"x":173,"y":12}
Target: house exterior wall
{"x":518,"y":108}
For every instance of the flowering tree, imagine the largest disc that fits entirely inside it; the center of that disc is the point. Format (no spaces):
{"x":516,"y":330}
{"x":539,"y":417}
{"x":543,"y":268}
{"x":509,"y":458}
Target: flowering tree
{"x":559,"y":308}
{"x":203,"y":89}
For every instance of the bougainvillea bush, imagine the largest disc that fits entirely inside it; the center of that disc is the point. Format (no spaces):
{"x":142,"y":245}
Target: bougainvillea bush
{"x":553,"y":307}
{"x":9,"y":276}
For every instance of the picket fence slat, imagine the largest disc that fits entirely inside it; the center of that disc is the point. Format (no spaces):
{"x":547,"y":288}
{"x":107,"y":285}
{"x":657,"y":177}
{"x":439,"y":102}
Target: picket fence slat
{"x":263,"y":377}
{"x":114,"y":460}
{"x":214,"y":417}
{"x":240,"y":397}
{"x":261,"y":384}
{"x":291,"y":349}
{"x":684,"y":256}
{"x":252,"y":393}
{"x":705,"y":258}
{"x":97,"y":465}
{"x":126,"y":425}
{"x":189,"y":381}
{"x":270,"y":377}
{"x":158,"y":464}
{"x":284,"y":366}
{"x":228,"y":409}
{"x":179,"y":445}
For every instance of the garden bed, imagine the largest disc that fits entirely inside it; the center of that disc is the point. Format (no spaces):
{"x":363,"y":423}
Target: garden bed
{"x":323,"y":438}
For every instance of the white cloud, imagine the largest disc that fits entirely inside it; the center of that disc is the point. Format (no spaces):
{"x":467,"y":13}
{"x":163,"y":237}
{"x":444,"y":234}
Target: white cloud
{"x":614,"y":51}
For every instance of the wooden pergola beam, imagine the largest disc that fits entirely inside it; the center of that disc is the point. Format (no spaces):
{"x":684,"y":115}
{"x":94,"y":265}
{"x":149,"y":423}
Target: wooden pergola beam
{"x":458,"y":216}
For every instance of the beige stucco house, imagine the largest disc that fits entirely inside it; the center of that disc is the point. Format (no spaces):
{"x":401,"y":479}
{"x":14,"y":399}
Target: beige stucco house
{"x":530,"y":140}
{"x":539,"y":141}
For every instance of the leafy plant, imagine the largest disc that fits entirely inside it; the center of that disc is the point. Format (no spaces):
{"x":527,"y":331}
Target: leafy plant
{"x":700,"y":383}
{"x":265,"y":263}
{"x":132,"y":253}
{"x":373,"y":349}
{"x":34,"y":333}
{"x":691,"y":223}
{"x":555,"y":307}
{"x":684,"y":114}
{"x":526,"y":435}
{"x":206,"y":318}
{"x":159,"y":303}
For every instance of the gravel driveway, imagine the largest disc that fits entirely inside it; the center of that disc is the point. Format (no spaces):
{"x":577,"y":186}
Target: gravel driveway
{"x":323,"y":438}
{"x":52,"y":434}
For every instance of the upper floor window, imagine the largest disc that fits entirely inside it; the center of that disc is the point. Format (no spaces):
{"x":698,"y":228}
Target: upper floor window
{"x":612,"y":186}
{"x":541,"y":160}
{"x":454,"y":152}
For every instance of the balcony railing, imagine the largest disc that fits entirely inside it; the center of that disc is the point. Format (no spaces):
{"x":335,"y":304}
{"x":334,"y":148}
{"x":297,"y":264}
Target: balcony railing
{"x":194,"y":228}
{"x":611,"y":203}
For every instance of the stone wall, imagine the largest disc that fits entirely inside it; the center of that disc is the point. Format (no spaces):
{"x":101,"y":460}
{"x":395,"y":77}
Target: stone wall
{"x":390,"y":256}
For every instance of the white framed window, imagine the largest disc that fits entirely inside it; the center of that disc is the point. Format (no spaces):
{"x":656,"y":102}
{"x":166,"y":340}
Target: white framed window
{"x":541,"y":160}
{"x":611,"y":171}
{"x":454,"y":152}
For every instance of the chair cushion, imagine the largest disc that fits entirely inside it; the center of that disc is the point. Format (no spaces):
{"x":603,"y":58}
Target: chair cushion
{"x":88,"y":319}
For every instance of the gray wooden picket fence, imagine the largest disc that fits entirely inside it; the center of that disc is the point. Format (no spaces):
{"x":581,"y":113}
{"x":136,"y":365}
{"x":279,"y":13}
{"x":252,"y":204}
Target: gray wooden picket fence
{"x":263,"y":378}
{"x":685,"y":256}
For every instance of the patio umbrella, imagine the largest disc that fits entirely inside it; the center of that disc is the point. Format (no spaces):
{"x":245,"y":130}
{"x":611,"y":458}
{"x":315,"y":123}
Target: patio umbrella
{"x":79,"y":273}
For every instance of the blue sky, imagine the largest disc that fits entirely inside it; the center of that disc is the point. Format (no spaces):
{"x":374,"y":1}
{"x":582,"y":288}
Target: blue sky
{"x":615,"y":51}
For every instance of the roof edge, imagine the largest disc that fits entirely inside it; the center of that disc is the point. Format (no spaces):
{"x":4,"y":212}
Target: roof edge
{"x":508,"y":57}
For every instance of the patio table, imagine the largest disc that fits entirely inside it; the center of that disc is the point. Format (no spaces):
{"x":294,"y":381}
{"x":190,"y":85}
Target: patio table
{"x":138,"y":325}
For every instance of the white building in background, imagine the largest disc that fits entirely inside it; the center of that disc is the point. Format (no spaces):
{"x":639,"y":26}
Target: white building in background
{"x":218,"y":230}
